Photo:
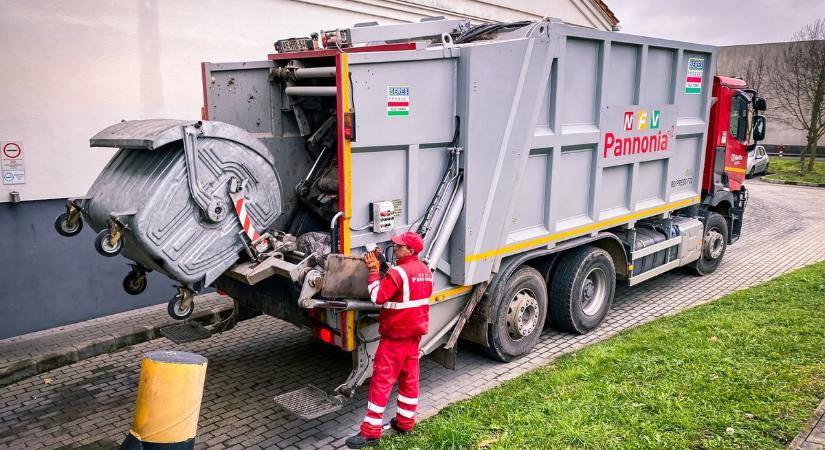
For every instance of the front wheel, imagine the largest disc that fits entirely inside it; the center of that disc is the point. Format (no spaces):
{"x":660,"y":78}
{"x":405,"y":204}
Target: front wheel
{"x":582,"y":289}
{"x":714,"y":244}
{"x":519,"y":310}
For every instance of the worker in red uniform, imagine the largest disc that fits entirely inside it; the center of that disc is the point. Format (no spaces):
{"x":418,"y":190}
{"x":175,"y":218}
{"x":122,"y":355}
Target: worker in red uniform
{"x":404,"y":295}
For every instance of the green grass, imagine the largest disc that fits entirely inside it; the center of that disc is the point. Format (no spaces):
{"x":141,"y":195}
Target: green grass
{"x":787,"y":169}
{"x":746,"y":371}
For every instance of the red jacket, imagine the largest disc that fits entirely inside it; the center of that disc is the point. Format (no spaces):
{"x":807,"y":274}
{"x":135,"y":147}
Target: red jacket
{"x":405,"y":296}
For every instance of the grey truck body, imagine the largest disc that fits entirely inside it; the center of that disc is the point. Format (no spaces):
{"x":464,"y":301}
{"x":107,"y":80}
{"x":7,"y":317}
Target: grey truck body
{"x":566,"y":136}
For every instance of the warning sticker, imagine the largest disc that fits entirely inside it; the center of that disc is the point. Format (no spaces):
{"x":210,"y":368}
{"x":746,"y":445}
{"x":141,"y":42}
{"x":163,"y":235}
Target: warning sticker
{"x":11,"y":163}
{"x":398,"y":101}
{"x":693,"y":80}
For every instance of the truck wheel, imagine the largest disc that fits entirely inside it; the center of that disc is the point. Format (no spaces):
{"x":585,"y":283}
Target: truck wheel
{"x":582,"y":289}
{"x":714,"y":244}
{"x":519,"y":309}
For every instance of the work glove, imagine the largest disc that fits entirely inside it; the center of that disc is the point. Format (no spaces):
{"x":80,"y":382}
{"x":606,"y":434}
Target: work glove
{"x":372,"y":261}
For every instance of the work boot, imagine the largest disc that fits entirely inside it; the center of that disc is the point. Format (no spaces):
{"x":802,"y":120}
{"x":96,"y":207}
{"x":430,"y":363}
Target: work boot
{"x":394,"y":425}
{"x":359,"y":441}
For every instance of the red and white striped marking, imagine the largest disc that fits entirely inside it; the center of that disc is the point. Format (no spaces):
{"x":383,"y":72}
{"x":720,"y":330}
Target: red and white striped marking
{"x":246,"y":222}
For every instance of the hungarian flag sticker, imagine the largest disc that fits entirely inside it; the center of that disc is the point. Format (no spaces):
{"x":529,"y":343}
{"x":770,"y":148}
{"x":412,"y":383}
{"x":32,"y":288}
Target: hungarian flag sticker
{"x":398,"y":101}
{"x":693,"y":81}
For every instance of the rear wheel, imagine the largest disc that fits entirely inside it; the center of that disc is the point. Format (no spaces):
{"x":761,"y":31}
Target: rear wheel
{"x":519,"y":310}
{"x":582,"y":289}
{"x":714,"y":244}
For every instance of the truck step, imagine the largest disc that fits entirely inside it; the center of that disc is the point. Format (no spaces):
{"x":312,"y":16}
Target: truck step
{"x":308,"y":402}
{"x":185,"y":332}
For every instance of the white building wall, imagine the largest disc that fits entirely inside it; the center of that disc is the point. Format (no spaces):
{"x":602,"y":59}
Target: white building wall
{"x":74,"y":67}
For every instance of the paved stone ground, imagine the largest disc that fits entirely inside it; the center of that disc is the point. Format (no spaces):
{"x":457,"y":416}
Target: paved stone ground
{"x":813,"y":437}
{"x":35,"y":353}
{"x":89,"y":404}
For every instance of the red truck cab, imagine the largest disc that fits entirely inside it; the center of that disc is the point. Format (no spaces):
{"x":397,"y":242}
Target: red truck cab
{"x":735,"y":124}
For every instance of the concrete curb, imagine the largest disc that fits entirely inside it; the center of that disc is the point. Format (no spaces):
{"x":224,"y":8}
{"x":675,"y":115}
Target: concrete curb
{"x":793,"y":183}
{"x":36,"y":364}
{"x":799,"y":440}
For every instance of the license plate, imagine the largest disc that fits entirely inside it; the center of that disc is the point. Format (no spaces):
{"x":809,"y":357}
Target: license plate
{"x":293,"y":45}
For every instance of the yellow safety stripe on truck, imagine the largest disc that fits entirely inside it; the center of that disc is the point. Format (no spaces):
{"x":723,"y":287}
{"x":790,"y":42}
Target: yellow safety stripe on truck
{"x":345,"y":105}
{"x":735,"y":169}
{"x":348,"y":317}
{"x":445,"y":294}
{"x":581,"y":230}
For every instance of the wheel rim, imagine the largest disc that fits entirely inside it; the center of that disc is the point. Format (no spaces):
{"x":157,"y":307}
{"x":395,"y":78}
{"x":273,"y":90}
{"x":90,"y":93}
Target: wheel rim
{"x":522,"y":315}
{"x":179,"y":308}
{"x":136,"y":283}
{"x":106,"y":245}
{"x":594,"y":291}
{"x":64,"y":224}
{"x":714,"y":244}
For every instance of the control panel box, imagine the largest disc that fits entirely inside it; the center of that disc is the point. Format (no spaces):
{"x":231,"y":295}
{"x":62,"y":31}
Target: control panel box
{"x":383,"y":216}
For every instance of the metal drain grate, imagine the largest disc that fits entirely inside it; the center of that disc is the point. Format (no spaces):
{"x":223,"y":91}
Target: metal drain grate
{"x":308,"y":402}
{"x":185,"y":332}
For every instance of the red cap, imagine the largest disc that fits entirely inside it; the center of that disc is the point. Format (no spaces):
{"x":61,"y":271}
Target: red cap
{"x":411,"y":240}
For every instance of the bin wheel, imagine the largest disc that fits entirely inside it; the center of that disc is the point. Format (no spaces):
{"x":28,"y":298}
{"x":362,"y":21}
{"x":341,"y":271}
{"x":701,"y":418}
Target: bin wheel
{"x":175,"y":308}
{"x":104,"y":246}
{"x":582,"y":289}
{"x":134,"y":283}
{"x":61,"y":224}
{"x":519,"y":307}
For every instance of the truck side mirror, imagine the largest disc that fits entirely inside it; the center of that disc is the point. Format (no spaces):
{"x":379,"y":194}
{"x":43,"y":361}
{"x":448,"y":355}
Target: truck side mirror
{"x":759,"y":125}
{"x":760,"y":104}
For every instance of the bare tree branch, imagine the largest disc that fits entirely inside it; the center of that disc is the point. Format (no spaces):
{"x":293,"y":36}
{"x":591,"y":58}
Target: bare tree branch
{"x":797,"y":85}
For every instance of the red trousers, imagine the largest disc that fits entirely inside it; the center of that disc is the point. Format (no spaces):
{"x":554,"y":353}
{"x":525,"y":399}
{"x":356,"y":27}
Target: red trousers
{"x":395,"y":359}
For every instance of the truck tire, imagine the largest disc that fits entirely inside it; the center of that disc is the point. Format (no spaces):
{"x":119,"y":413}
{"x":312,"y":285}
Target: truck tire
{"x":582,"y":289}
{"x":519,"y":309}
{"x":714,"y":244}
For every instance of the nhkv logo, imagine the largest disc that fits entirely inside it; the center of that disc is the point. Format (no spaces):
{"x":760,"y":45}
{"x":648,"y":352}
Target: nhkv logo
{"x":642,"y":120}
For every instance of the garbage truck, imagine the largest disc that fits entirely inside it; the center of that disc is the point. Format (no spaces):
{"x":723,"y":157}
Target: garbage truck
{"x":542,"y":162}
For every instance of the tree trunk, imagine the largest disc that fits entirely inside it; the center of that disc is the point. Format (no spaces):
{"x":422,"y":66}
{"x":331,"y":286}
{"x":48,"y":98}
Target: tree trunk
{"x":816,"y":121}
{"x":811,"y":156}
{"x":803,"y":155}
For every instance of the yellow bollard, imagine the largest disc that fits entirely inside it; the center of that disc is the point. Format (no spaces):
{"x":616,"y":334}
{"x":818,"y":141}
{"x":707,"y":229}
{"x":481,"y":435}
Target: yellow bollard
{"x":168,"y":401}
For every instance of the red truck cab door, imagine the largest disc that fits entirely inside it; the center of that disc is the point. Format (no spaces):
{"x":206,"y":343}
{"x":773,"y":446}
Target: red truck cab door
{"x":726,"y":157}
